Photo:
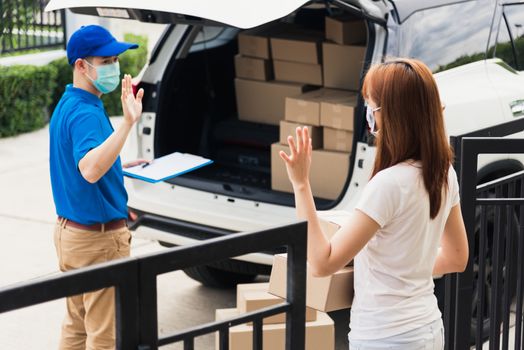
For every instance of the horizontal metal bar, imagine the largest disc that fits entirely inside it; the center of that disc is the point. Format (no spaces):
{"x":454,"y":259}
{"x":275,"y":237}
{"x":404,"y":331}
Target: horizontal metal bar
{"x":519,"y":175}
{"x":31,"y":47}
{"x":221,"y":248}
{"x":499,"y":201}
{"x":69,"y":283}
{"x":492,"y":145}
{"x":217,"y":326}
{"x":495,"y":131}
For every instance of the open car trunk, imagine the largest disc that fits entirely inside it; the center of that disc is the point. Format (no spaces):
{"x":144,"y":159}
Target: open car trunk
{"x":198,"y":102}
{"x":198,"y":114}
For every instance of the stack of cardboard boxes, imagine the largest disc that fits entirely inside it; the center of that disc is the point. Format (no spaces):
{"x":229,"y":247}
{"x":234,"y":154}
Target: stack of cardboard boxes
{"x":301,"y":62}
{"x":322,"y":295}
{"x":324,"y":112}
{"x":260,"y":99}
{"x":320,"y":331}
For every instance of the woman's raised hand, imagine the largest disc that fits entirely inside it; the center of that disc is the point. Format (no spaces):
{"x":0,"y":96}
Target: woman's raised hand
{"x":299,"y":161}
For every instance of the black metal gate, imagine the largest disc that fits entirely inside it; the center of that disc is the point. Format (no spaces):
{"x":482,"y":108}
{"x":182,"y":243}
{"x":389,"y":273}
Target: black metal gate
{"x":482,"y":303}
{"x":25,"y":26}
{"x":134,"y":280}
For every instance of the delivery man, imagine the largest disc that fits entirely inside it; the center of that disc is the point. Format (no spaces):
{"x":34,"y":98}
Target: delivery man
{"x":87,"y":181}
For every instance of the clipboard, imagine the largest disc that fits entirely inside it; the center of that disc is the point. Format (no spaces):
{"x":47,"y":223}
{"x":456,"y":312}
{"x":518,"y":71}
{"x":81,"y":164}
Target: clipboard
{"x":167,"y":167}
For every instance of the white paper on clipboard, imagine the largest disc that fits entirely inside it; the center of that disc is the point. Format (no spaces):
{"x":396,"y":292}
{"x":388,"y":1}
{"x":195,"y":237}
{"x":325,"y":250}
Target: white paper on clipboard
{"x":166,"y":167}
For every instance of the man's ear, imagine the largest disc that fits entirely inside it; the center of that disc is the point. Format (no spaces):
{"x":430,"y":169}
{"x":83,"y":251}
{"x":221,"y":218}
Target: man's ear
{"x":80,"y":65}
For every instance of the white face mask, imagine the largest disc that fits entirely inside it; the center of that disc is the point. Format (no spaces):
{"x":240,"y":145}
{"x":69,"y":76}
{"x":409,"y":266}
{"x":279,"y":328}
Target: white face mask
{"x":370,"y":118}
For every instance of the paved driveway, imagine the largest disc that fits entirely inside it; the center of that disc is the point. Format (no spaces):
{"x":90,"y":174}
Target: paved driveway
{"x":26,"y":251}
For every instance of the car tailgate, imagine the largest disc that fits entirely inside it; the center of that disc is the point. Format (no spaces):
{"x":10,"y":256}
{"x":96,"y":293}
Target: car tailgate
{"x":237,"y":13}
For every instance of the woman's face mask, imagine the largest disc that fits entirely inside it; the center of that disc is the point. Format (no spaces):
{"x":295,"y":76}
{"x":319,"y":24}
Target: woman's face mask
{"x":108,"y":77}
{"x":370,"y":117}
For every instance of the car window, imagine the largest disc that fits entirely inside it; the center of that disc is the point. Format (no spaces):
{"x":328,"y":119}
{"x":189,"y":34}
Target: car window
{"x":510,"y":37}
{"x":444,"y":38}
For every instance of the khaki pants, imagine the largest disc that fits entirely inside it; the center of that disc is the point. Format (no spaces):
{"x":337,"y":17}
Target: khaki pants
{"x":90,"y":319}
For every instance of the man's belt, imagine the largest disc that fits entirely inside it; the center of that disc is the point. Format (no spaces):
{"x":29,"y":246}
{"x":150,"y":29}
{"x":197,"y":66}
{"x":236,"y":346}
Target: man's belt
{"x":108,"y":226}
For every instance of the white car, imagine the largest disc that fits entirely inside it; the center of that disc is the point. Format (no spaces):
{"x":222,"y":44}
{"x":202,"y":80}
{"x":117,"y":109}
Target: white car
{"x":475,"y":49}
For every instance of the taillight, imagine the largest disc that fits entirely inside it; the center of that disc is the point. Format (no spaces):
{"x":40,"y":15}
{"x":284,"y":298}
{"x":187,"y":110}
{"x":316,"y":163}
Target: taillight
{"x":134,"y":85}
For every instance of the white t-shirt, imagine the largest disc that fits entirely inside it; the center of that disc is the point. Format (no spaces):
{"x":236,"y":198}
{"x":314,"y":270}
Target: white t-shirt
{"x":393,"y":272}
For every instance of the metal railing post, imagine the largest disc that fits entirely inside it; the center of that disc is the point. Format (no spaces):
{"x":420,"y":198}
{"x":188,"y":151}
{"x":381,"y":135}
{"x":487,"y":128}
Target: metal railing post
{"x":295,"y":292}
{"x":148,"y":314}
{"x":126,"y":309}
{"x":468,"y":186}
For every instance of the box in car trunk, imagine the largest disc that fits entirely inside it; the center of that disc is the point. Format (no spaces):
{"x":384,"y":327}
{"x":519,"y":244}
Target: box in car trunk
{"x":304,"y":47}
{"x":346,"y":30}
{"x":255,"y":42}
{"x":343,"y":65}
{"x":298,"y":72}
{"x":328,"y":174}
{"x":339,"y":112}
{"x":338,"y":140}
{"x":263,"y":102}
{"x":288,"y":128}
{"x":306,"y":108}
{"x":253,"y":68}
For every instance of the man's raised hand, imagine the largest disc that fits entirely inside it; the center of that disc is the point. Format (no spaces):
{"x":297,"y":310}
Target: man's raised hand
{"x":131,"y":105}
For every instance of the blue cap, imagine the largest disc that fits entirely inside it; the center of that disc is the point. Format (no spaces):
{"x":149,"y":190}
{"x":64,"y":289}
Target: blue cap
{"x":94,"y":40}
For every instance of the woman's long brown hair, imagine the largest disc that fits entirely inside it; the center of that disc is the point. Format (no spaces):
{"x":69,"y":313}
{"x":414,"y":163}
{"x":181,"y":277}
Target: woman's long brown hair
{"x":412,"y":122}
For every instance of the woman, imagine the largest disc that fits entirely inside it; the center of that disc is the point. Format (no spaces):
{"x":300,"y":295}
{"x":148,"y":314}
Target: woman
{"x":409,"y":209}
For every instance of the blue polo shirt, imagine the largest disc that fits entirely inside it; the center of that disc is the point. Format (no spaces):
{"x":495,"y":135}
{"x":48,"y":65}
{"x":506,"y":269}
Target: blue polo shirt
{"x":79,"y":124}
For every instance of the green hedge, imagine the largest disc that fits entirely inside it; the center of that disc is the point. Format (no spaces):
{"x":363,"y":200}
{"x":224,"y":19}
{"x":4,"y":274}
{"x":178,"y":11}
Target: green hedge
{"x":131,"y":62}
{"x":25,"y":93}
{"x":29,"y":94}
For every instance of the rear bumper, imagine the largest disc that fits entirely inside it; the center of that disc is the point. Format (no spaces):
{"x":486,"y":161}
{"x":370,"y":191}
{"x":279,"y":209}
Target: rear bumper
{"x":181,"y":233}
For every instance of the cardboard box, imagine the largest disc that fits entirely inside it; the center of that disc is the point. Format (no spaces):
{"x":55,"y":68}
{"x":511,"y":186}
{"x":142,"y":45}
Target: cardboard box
{"x":320,"y":334}
{"x":343,"y":65}
{"x":297,"y":47}
{"x":253,"y":68}
{"x":255,"y":296}
{"x":346,"y":31}
{"x":339,"y":113}
{"x":289,"y":128}
{"x":264,"y":102}
{"x":328,"y":174}
{"x":306,"y":108}
{"x":325,"y":294}
{"x":329,"y":228}
{"x":338,"y":140}
{"x":298,"y":72}
{"x":255,"y":42}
